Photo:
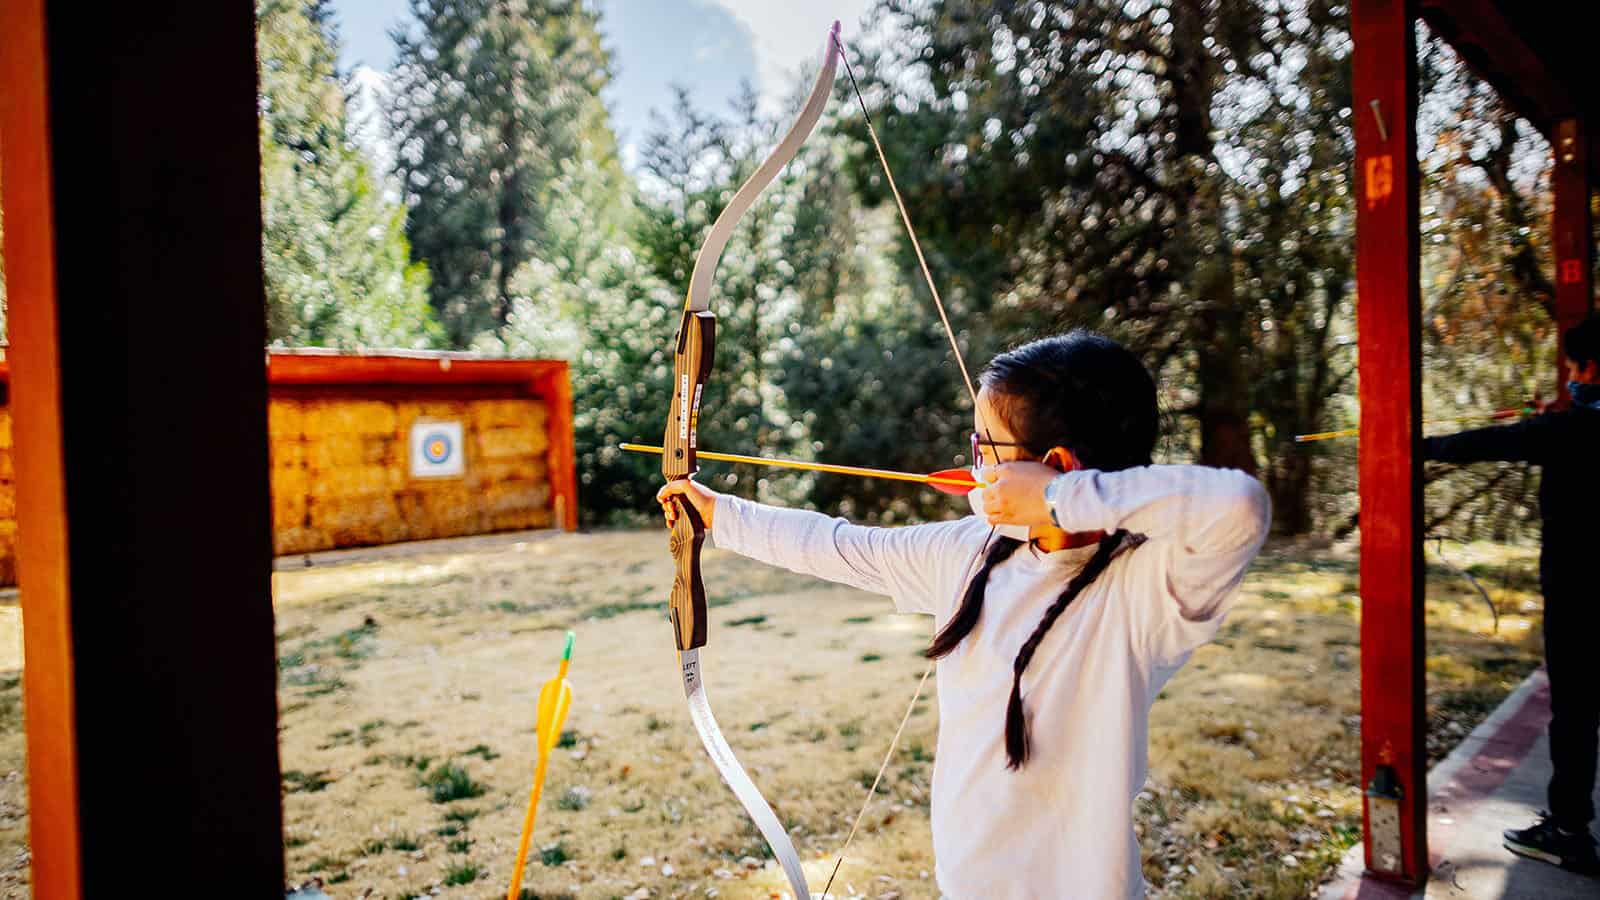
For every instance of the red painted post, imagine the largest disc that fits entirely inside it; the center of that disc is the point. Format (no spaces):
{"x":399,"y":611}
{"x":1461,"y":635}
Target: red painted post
{"x":563,"y":453}
{"x":1574,"y":236}
{"x":1388,"y":313}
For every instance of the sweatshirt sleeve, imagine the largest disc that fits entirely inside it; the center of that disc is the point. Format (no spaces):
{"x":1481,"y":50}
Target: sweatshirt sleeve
{"x":916,"y":565}
{"x":1527,"y":441}
{"x":1203,"y":526}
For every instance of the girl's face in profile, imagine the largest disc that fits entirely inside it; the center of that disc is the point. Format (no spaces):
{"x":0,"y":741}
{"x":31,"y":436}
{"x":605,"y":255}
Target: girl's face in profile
{"x":996,"y":443}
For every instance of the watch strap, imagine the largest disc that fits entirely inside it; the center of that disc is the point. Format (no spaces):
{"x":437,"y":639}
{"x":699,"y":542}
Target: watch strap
{"x":1052,"y":489}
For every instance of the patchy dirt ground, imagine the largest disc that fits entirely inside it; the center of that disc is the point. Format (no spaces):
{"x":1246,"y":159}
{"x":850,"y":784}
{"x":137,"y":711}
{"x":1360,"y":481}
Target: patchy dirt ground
{"x":408,"y":685}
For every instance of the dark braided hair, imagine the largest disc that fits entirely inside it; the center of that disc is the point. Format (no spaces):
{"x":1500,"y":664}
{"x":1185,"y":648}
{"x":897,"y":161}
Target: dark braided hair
{"x":1016,"y":722}
{"x":966,"y":617}
{"x":1085,"y":392}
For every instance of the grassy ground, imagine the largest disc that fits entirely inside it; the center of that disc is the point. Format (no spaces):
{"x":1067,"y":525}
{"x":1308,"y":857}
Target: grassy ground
{"x":408,"y":685}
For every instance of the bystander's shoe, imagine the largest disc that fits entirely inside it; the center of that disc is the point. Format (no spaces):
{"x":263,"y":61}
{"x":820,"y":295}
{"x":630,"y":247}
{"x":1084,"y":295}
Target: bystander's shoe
{"x":1548,"y":842}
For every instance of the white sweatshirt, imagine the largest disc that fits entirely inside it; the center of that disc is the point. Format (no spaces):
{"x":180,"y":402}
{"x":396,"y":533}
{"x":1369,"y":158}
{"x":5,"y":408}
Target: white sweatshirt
{"x":1062,"y":825}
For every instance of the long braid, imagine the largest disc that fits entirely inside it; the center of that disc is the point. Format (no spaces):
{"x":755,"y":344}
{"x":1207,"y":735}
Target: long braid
{"x":1016,"y":722}
{"x":966,"y":617}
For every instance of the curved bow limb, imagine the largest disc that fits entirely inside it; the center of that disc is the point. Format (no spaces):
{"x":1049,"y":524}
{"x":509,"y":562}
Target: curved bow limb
{"x":705,"y":265}
{"x":691,"y":368}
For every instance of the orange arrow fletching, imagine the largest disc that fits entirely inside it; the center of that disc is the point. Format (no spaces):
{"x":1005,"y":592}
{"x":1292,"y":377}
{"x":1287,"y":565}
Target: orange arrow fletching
{"x":953,"y":481}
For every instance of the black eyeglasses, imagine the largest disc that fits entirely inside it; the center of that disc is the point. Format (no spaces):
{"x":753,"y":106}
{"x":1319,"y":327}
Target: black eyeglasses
{"x":980,"y":441}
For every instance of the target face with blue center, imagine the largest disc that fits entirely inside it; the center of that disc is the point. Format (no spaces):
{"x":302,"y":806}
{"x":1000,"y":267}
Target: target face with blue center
{"x":436,"y":450}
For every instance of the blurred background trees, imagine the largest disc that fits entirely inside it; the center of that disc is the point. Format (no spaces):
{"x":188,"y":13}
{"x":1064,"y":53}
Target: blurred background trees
{"x":339,"y":271}
{"x":490,"y":98}
{"x":1176,"y":175}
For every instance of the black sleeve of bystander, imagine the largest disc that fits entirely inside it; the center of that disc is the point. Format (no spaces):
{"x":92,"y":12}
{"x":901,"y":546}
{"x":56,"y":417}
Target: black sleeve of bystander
{"x":1530,"y":440}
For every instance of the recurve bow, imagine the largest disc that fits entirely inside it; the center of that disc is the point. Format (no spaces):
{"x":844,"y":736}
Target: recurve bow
{"x":692,"y":361}
{"x":691,"y":369}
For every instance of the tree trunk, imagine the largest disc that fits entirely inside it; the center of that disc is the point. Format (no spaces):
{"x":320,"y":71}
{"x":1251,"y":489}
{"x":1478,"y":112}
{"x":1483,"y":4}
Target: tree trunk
{"x":1224,"y":408}
{"x":1289,"y":484}
{"x":1224,"y":384}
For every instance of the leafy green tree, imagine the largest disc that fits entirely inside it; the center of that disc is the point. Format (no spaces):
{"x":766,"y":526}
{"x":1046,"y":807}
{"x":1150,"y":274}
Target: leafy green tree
{"x":1293,"y":263}
{"x":589,"y":298}
{"x":1488,"y":330}
{"x":801,"y":307}
{"x":337,"y":265}
{"x":867,"y":370}
{"x":1068,"y":157}
{"x":823,"y":352}
{"x":696,"y":162}
{"x":490,"y":97}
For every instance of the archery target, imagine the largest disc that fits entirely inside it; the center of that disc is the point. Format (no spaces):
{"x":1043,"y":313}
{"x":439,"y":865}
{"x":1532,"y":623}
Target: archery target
{"x":436,"y":450}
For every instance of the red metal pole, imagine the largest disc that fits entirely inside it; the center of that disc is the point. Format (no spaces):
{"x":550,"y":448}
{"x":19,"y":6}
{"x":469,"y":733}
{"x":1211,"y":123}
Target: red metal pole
{"x":1574,"y":236}
{"x":1388,"y":313}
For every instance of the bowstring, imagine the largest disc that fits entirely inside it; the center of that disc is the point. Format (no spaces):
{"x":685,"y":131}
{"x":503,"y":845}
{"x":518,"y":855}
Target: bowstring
{"x":966,"y":378}
{"x":911,"y":230}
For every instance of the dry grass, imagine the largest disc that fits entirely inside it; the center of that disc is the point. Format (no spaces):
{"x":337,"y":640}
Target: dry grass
{"x":408,"y":688}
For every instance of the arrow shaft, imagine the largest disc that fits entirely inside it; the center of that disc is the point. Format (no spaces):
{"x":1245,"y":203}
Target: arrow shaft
{"x":861,"y":471}
{"x":1455,"y":420}
{"x":527,"y":825}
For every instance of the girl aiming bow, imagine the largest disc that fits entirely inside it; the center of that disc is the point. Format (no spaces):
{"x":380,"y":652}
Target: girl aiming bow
{"x":1083,"y":581}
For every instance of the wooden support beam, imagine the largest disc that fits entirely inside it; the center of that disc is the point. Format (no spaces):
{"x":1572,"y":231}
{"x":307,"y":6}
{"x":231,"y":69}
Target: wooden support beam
{"x":48,"y":684}
{"x":1574,"y":235}
{"x":133,"y":251}
{"x":1497,"y":52}
{"x":1388,"y":317}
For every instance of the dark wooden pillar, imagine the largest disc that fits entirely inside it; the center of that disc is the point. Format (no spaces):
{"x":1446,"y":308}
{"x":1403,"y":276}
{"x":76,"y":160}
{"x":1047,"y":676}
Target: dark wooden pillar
{"x":133,"y":254}
{"x":1388,"y":312}
{"x":1574,"y":235}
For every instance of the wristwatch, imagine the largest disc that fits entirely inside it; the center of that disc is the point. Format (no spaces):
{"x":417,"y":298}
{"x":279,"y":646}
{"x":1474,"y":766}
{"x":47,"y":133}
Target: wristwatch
{"x":1051,"y":491}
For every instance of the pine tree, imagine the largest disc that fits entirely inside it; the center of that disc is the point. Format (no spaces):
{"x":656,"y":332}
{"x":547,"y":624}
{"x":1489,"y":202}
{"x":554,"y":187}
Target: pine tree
{"x":491,"y":97}
{"x":337,"y":264}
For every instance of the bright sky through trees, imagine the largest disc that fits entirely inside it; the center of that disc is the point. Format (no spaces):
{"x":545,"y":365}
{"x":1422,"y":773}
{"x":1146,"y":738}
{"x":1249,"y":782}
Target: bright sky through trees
{"x":709,"y":46}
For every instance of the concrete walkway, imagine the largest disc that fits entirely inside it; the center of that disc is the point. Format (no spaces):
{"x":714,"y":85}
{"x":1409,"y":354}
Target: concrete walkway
{"x":1494,"y":780}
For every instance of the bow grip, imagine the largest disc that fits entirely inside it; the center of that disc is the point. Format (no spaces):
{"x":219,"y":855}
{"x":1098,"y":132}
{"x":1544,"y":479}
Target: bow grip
{"x":691,"y":368}
{"x":687,"y":605}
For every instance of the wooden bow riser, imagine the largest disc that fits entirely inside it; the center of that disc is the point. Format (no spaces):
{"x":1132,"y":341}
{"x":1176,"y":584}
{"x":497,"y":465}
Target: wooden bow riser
{"x":691,"y":368}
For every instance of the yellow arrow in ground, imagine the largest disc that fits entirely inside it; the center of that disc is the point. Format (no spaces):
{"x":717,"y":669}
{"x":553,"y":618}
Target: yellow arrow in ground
{"x":554,"y":698}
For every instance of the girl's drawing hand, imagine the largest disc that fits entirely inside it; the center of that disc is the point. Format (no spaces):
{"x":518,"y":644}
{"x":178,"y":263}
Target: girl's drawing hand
{"x":698,"y":495}
{"x":1015,"y":495}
